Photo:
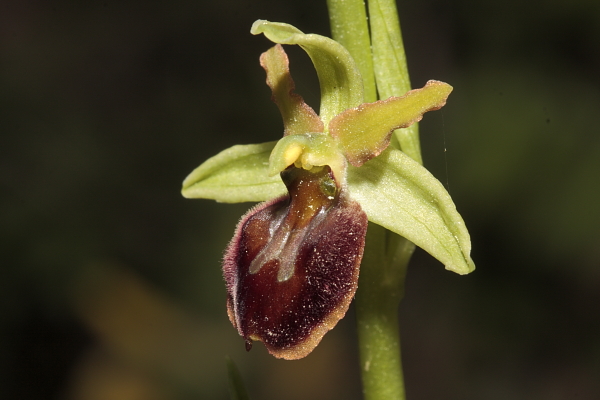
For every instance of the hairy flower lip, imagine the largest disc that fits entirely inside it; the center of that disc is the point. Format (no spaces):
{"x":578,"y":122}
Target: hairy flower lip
{"x":305,"y":208}
{"x":291,"y":315}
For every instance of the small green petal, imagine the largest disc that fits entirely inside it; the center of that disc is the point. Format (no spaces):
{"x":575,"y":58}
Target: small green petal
{"x":340,"y":80}
{"x":364,"y":132}
{"x":235,"y":175}
{"x":297,"y":116}
{"x":399,"y":194}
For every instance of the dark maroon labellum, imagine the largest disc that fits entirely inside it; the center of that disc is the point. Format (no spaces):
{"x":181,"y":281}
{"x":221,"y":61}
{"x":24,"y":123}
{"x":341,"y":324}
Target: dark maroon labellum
{"x":292,"y":266}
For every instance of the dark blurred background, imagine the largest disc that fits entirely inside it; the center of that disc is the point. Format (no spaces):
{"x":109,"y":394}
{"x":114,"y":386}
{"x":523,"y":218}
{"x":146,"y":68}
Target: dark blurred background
{"x":110,"y":281}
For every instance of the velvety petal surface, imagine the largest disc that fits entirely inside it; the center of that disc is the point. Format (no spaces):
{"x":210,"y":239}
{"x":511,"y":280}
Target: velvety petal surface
{"x":292,"y":267}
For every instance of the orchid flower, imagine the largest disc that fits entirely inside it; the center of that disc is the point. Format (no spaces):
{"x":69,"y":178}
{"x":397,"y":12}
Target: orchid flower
{"x":291,"y":269}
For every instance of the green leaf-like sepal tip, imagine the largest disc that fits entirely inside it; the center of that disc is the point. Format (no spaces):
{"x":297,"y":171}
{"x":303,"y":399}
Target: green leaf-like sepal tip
{"x":399,"y":194}
{"x":235,"y":175}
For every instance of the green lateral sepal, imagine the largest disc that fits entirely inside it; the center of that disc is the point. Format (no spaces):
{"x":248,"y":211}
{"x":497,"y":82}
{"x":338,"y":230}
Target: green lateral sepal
{"x":399,"y":194}
{"x":235,"y":175}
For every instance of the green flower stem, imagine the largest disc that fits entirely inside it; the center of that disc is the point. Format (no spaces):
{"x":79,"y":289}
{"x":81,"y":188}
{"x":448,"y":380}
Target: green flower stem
{"x":381,"y":283}
{"x":380,"y":289}
{"x":349,"y":27}
{"x":391,"y":69}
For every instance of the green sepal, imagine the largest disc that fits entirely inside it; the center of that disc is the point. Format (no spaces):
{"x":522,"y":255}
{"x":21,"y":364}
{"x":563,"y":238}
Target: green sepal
{"x":365,"y":131}
{"x":339,"y":77}
{"x":399,"y":194}
{"x":235,"y":175}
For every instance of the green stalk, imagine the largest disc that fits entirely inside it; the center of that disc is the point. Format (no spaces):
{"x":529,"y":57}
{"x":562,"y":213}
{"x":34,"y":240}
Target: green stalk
{"x":391,"y":69}
{"x":381,"y":283}
{"x":381,"y":287}
{"x":349,"y":27}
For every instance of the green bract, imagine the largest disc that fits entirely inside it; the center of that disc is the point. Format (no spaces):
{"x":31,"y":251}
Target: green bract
{"x":352,"y":138}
